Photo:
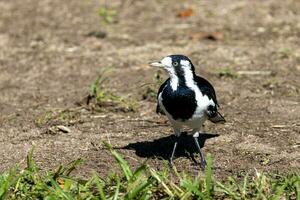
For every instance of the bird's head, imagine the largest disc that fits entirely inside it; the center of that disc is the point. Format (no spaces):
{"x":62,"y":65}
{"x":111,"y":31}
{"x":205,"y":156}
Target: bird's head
{"x":177,"y":65}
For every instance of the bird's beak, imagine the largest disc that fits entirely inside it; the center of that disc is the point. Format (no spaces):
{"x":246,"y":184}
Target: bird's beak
{"x":156,"y":64}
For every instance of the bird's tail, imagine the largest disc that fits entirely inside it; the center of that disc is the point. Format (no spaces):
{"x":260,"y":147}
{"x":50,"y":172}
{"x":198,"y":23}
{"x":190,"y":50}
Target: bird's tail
{"x":217,"y":118}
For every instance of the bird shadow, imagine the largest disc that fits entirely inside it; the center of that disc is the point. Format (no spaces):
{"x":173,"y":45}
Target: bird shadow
{"x":162,"y":147}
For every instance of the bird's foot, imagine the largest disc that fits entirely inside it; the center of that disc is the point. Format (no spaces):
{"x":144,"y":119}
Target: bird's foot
{"x":202,"y":158}
{"x":203,"y":164}
{"x":171,"y":164}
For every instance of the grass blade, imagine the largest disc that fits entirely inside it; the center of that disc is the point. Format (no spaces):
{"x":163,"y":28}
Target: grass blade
{"x":59,"y":192}
{"x":159,"y":180}
{"x":222,"y":188}
{"x":137,"y":173}
{"x":31,"y":166}
{"x":99,"y":186}
{"x":122,"y":163}
{"x":6,"y":181}
{"x":193,"y":188}
{"x":72,"y":166}
{"x":117,"y":190}
{"x":244,"y":190}
{"x":208,"y":176}
{"x":133,"y":194}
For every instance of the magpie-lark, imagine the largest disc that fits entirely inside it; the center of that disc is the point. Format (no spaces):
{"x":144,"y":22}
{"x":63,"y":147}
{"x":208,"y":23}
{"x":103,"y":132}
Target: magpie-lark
{"x":187,"y":99}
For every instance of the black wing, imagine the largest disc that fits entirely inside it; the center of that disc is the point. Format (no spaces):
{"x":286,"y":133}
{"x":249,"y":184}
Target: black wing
{"x":158,"y":109}
{"x":207,"y":89}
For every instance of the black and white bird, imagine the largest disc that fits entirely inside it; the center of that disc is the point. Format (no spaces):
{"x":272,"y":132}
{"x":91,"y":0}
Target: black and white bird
{"x":186,"y":99}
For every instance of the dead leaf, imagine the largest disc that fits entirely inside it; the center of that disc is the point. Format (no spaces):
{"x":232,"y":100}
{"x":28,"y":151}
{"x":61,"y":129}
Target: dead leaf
{"x":185,"y":13}
{"x":206,"y":36}
{"x":61,"y":183}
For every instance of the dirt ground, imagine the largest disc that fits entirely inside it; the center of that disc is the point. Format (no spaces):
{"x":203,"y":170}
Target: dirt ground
{"x":51,"y":51}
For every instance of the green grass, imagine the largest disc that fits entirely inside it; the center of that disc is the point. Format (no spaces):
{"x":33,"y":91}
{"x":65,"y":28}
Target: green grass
{"x":143,"y":182}
{"x":285,"y":53}
{"x":151,"y":90}
{"x":228,"y":72}
{"x":57,"y":116}
{"x":107,"y":15}
{"x":105,"y":98}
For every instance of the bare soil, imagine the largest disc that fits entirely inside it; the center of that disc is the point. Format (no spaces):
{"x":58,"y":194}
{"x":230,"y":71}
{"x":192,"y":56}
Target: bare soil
{"x":51,"y":51}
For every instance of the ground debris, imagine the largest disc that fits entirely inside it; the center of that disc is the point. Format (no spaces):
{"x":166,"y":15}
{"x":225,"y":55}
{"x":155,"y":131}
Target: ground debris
{"x":54,"y":130}
{"x":97,"y":34}
{"x":64,"y":129}
{"x":214,"y":36}
{"x":255,"y":73}
{"x":185,"y":13}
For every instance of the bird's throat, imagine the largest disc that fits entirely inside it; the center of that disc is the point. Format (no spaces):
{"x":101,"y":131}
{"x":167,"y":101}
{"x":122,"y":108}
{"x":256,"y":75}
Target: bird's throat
{"x":186,"y":78}
{"x":174,"y":81}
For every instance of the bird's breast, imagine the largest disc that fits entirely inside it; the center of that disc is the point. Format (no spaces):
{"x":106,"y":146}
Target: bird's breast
{"x":180,"y":104}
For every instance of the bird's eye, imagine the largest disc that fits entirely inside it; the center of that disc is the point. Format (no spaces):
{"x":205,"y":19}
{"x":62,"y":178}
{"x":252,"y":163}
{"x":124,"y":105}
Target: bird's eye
{"x":175,"y":64}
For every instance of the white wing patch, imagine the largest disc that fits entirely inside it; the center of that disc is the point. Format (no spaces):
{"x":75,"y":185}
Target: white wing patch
{"x":202,"y":100}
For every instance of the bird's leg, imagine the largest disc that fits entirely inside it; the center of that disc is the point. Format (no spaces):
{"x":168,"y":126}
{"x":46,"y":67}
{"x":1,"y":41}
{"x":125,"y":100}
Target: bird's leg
{"x":173,"y":152}
{"x":177,"y":134}
{"x":203,"y":162}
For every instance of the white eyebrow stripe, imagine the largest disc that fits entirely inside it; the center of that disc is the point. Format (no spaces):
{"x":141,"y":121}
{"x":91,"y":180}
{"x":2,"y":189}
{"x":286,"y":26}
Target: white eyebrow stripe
{"x":185,"y":63}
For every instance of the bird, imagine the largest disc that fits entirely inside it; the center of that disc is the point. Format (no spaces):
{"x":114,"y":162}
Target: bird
{"x":186,"y":99}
